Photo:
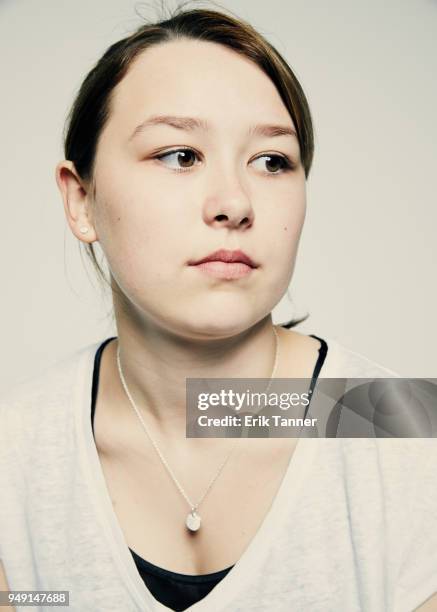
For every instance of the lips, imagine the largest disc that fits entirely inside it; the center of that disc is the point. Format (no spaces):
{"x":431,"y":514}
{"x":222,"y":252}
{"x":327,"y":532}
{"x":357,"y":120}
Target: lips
{"x":227,"y":256}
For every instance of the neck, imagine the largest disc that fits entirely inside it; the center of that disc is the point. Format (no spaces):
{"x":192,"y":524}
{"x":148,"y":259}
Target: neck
{"x":156,"y":363}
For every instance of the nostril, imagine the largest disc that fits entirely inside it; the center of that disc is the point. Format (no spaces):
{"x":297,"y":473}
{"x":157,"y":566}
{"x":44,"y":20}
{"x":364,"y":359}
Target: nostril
{"x":245,"y":221}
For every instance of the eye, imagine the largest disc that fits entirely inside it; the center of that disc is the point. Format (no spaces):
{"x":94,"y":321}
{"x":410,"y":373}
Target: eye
{"x":279,"y":163}
{"x":183,"y":156}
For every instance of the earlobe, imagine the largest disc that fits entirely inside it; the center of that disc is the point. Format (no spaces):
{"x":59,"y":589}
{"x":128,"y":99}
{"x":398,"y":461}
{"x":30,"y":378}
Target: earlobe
{"x":76,"y":202}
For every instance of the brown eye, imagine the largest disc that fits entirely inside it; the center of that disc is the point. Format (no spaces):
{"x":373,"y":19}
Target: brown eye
{"x":183,"y":158}
{"x":276,"y":164}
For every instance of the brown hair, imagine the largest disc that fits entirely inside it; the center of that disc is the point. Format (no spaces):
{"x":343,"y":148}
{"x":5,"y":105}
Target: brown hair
{"x":92,"y":105}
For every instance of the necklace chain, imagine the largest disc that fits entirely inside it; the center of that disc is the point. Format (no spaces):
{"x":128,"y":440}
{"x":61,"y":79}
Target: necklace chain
{"x":162,"y":458}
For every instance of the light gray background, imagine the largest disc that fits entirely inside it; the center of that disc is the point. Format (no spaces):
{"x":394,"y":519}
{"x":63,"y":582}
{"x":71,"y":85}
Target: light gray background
{"x":366,"y":265}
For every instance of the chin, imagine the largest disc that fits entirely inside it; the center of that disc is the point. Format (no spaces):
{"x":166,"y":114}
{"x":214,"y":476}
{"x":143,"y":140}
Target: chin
{"x":226,"y":327}
{"x":214,"y":324}
{"x":220,"y":327}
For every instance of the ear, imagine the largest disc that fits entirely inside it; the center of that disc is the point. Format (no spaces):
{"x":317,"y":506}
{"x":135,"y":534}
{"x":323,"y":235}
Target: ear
{"x":77,"y":202}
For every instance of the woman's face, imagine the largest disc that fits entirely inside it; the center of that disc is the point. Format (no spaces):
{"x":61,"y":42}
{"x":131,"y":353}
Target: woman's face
{"x":231,"y":189}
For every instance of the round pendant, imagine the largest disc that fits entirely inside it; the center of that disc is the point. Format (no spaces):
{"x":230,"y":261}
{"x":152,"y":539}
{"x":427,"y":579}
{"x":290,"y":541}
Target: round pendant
{"x":193,"y":521}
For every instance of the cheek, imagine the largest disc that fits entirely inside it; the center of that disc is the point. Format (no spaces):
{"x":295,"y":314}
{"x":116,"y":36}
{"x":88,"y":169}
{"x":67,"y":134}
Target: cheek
{"x":136,"y":209}
{"x":143,"y":252}
{"x":136,"y":232}
{"x":287,"y":222}
{"x":292,"y":230}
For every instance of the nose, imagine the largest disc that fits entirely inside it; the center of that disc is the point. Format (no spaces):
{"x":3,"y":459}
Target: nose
{"x":227,"y":204}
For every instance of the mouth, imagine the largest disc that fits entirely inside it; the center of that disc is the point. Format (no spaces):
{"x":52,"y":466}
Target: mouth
{"x":226,"y":264}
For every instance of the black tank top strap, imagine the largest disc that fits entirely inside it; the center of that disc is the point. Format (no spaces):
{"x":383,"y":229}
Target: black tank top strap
{"x":323,"y":350}
{"x":96,"y":374}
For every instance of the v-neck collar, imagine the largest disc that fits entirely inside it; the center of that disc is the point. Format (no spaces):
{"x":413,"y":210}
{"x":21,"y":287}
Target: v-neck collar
{"x":221,"y":596}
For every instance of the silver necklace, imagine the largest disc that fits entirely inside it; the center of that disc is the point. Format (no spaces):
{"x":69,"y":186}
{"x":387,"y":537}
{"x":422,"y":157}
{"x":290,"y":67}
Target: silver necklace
{"x":193,"y":519}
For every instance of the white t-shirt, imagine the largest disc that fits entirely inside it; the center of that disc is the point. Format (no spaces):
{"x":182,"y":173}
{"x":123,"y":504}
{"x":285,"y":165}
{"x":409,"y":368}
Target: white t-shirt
{"x":353,"y":526}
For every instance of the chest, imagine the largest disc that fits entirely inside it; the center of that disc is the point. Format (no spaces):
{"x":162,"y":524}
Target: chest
{"x":151,"y":510}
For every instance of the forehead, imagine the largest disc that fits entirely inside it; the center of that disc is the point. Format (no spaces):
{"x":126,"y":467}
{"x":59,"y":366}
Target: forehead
{"x":195,"y":77}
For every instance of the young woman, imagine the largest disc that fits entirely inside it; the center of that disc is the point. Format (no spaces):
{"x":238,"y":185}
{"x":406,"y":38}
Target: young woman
{"x":186,"y":157}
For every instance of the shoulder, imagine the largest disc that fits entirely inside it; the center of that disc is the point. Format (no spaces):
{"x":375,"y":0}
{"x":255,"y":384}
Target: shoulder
{"x":340,"y":361}
{"x":343,"y":362}
{"x":36,"y":400}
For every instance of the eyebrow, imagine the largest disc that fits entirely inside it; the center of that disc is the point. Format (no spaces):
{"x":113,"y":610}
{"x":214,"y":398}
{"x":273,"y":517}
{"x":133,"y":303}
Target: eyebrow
{"x":190,"y":124}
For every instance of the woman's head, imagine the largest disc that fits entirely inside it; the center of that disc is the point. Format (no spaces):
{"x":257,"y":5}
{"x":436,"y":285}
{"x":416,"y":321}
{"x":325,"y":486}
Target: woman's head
{"x":208,"y":84}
